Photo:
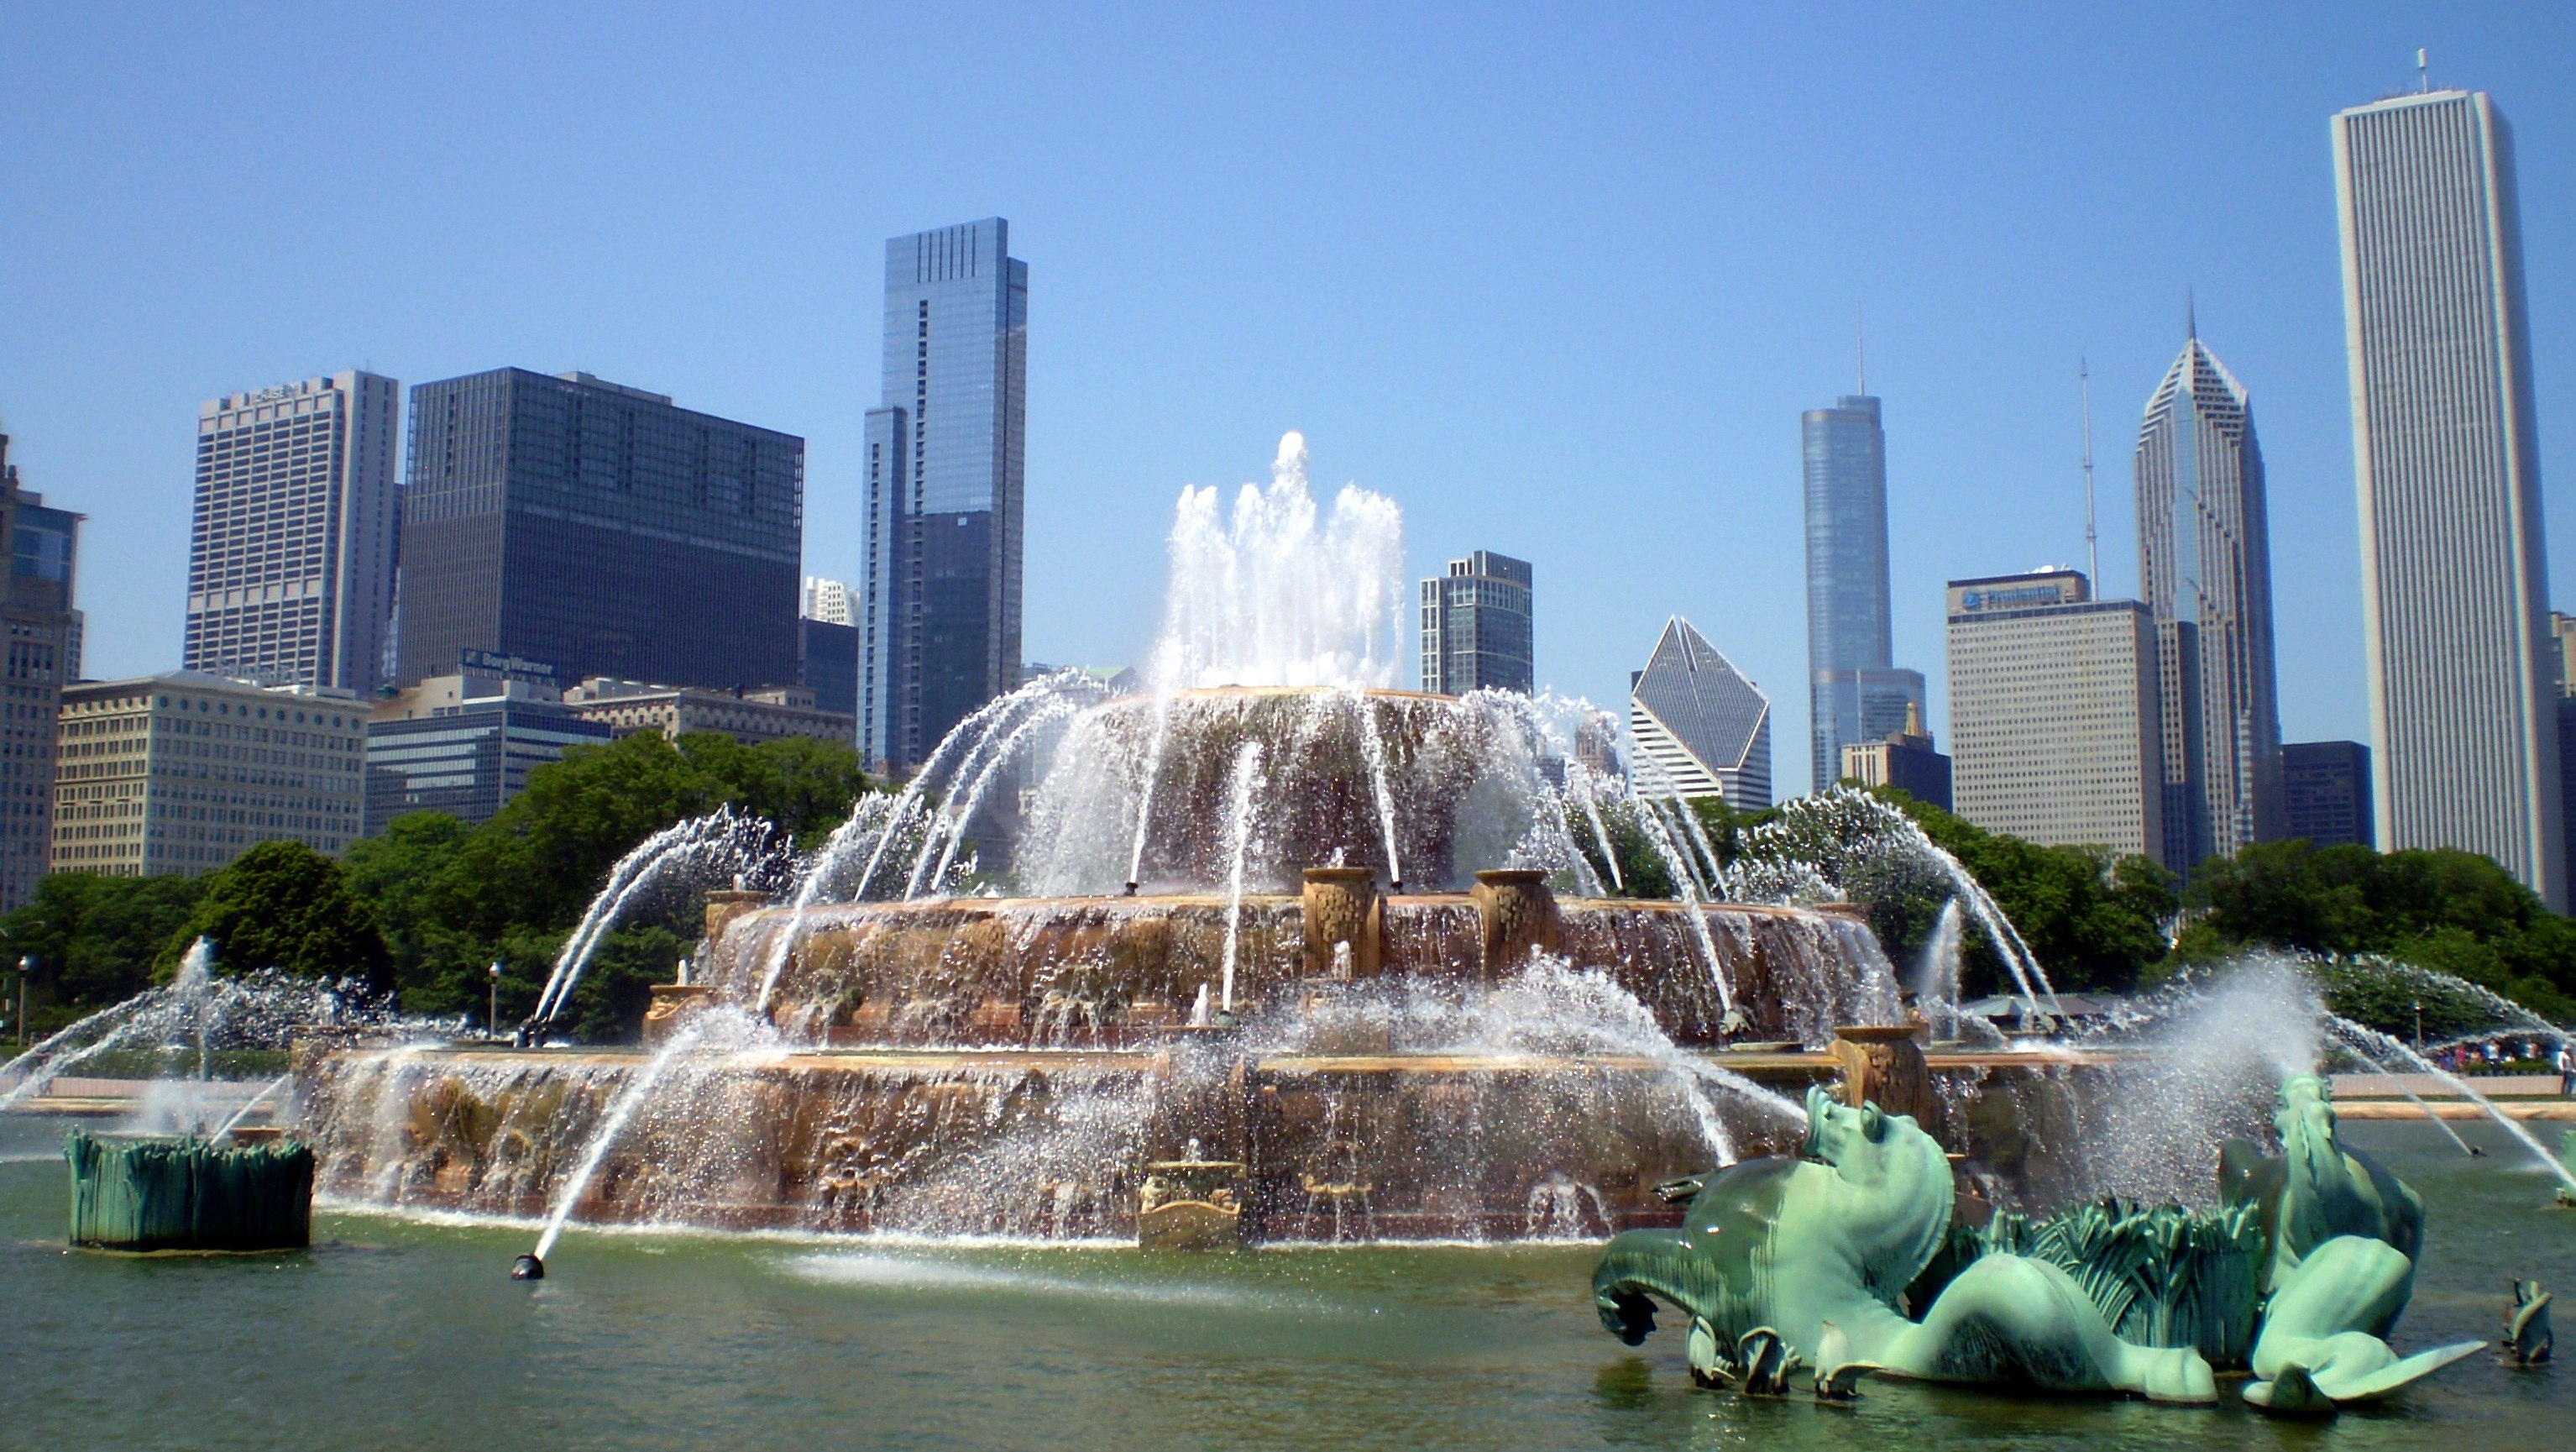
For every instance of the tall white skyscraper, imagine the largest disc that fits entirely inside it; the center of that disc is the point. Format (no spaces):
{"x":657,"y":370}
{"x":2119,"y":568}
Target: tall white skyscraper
{"x":291,"y":553}
{"x":2205,"y":556}
{"x":2455,"y":586}
{"x":826,"y":600}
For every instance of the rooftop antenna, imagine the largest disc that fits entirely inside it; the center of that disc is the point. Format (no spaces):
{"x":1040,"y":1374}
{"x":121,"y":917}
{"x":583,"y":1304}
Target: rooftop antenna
{"x":1860,"y":348}
{"x":2423,"y":73}
{"x":2092,"y":547}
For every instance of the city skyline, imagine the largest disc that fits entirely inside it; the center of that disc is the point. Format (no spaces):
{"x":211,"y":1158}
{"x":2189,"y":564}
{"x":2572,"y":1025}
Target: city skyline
{"x":1970,"y":325}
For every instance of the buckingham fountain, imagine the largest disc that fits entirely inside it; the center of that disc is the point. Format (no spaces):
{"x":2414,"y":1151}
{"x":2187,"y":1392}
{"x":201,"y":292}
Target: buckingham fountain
{"x":1269,"y":951}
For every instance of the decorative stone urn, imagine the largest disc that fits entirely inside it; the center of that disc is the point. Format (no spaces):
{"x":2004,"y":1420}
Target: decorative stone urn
{"x":723,"y":906}
{"x":1341,"y":906}
{"x":1884,"y":1066}
{"x":1519,"y":913}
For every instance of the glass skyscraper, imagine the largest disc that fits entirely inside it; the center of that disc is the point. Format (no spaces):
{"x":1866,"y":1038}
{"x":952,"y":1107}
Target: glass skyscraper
{"x":2205,"y":555}
{"x":1855,"y":694}
{"x":1477,"y":624}
{"x":41,"y":544}
{"x":2455,"y":586}
{"x":600,"y":530}
{"x":945,"y":474}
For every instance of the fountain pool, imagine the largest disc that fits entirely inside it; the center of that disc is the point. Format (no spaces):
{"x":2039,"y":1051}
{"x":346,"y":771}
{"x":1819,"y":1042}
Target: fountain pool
{"x":400,"y":1330}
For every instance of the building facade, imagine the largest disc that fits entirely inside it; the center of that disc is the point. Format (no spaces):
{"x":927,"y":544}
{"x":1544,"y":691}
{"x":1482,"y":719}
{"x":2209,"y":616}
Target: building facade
{"x":750,"y":717}
{"x":946,"y":474}
{"x":826,"y":600}
{"x":465,"y":744}
{"x":827,"y":663}
{"x":2054,"y":735}
{"x":1478,"y":627}
{"x":180,"y":773}
{"x":1855,"y":693}
{"x":1702,"y":729}
{"x":291,"y":547}
{"x":1904,"y":759}
{"x":599,"y":529}
{"x":2454,"y":582}
{"x":2204,"y":553}
{"x":42,"y":545}
{"x":2325,"y":793}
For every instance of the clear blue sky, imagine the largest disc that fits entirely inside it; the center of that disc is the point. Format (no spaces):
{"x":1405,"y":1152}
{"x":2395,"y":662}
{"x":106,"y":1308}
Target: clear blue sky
{"x":1559,"y":280}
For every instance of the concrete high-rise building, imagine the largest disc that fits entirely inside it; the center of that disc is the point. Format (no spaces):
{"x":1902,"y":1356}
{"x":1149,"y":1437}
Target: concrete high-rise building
{"x":600,"y":530}
{"x":2204,"y":553}
{"x":2054,"y":735}
{"x":946,"y":479}
{"x":1904,"y":759}
{"x":2454,"y":582}
{"x":41,"y":545}
{"x":291,"y":550}
{"x":1855,"y":695}
{"x":181,"y":772}
{"x":1477,"y":623}
{"x":826,"y":600}
{"x":2325,"y":793}
{"x":1702,"y":729}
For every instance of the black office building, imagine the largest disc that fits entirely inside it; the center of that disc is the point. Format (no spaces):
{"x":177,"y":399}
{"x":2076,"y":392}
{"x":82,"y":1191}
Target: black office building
{"x":827,"y":660}
{"x":2325,"y":789}
{"x":599,"y":529}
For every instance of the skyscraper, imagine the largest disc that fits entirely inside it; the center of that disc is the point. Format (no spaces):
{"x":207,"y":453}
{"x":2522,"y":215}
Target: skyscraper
{"x":1702,"y":729}
{"x":2053,"y":713}
{"x":2454,"y":583}
{"x":945,"y":478}
{"x":291,"y":549}
{"x":2325,"y":792}
{"x":2205,"y":556}
{"x":600,"y":530}
{"x":1477,"y":626}
{"x":1854,"y":693}
{"x":41,"y":546}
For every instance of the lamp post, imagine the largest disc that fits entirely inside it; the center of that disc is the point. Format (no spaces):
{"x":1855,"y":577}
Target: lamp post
{"x":492,"y":1018}
{"x":24,"y":966}
{"x":2419,"y":1025}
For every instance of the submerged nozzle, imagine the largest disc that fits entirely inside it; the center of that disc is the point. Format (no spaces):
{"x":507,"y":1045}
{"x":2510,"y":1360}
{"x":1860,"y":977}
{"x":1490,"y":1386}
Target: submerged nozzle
{"x":527,"y":1268}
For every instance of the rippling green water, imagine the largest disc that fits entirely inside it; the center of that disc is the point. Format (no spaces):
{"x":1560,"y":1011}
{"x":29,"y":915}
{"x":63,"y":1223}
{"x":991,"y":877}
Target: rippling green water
{"x":394,"y":1333}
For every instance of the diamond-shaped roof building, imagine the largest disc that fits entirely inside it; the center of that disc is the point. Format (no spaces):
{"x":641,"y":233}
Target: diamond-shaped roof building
{"x":1702,"y":728}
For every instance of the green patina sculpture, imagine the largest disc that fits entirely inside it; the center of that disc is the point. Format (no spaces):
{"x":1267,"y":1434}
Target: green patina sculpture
{"x":1780,"y":1260}
{"x":2344,"y":1234}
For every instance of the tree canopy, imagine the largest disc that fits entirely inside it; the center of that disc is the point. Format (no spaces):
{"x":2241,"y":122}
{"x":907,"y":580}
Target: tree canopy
{"x":429,"y":903}
{"x":2453,"y":912}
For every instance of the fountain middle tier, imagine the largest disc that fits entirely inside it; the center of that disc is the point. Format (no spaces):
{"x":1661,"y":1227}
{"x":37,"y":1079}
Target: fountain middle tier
{"x":1106,"y":972}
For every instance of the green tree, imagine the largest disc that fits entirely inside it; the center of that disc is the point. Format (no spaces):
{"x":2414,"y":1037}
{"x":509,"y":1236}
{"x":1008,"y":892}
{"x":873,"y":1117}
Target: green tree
{"x":93,"y":938}
{"x":454,"y":900}
{"x":2449,"y":911}
{"x":2094,"y":919}
{"x":283,"y":905}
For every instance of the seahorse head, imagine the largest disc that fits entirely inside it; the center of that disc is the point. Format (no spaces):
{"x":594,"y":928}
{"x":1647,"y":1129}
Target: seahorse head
{"x":1892,"y":1192}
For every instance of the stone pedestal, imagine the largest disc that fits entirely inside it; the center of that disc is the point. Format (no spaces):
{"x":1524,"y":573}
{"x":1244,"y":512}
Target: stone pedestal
{"x":1340,"y":905}
{"x":671,"y":1003}
{"x":1519,"y":913}
{"x":1884,"y":1066}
